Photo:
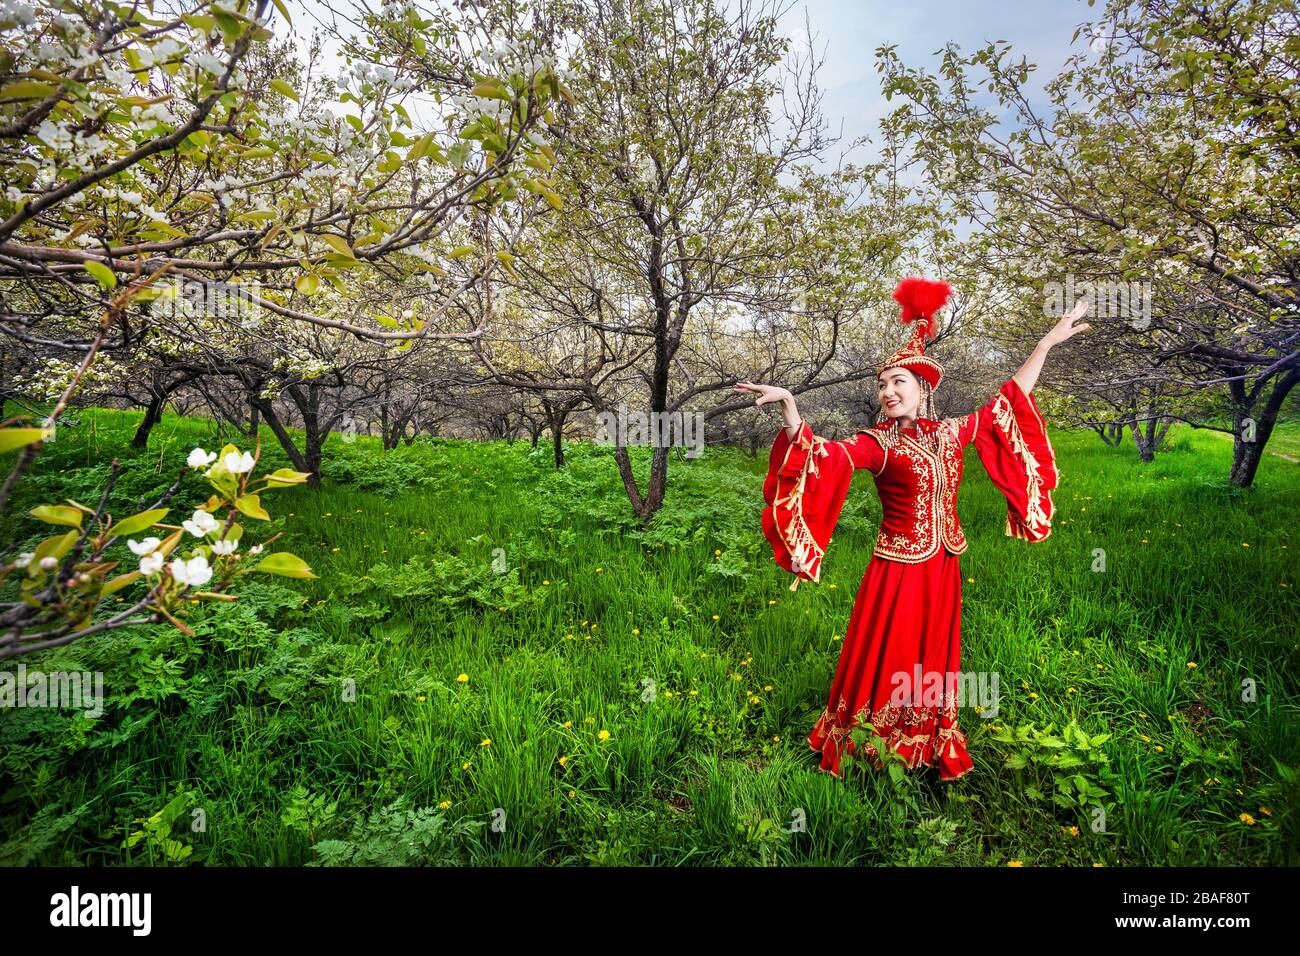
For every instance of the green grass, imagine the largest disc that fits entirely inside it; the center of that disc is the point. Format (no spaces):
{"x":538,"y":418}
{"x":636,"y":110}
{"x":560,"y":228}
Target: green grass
{"x":248,"y":721}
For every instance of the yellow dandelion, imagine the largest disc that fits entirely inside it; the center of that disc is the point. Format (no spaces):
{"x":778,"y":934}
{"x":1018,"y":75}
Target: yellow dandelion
{"x":831,"y":586}
{"x":546,"y":582}
{"x":1015,"y":863}
{"x":1159,"y":749}
{"x":465,"y":765}
{"x":771,"y":602}
{"x":1245,"y":545}
{"x":487,"y":742}
{"x":1074,"y":831}
{"x":1033,"y":695}
{"x":1100,"y":864}
{"x":717,"y":552}
{"x":1191,"y":665}
{"x":573,"y":793}
{"x":717,"y":617}
{"x":970,"y":580}
{"x":1247,"y":819}
{"x":1140,"y":714}
{"x":463,"y":679}
{"x":598,"y":570}
{"x":695,"y":693}
{"x":603,"y":735}
{"x":445,"y":805}
{"x":421,"y":698}
{"x":835,"y":637}
{"x":777,"y":740}
{"x":332,"y":550}
{"x":767,"y":688}
{"x":1266,"y":811}
{"x":1069,"y":690}
{"x":564,"y":761}
{"x":753,"y":700}
{"x":636,"y":630}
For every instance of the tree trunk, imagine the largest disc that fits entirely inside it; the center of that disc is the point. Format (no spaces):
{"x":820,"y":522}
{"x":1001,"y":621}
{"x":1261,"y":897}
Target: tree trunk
{"x":152,"y":415}
{"x":1250,"y":435}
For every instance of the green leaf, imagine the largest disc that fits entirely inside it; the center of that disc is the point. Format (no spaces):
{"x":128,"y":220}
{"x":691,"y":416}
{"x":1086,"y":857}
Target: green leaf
{"x":421,"y":148}
{"x":57,"y":514}
{"x":283,"y":477}
{"x":284,"y":12}
{"x":286,"y":565}
{"x":307,"y":284}
{"x":55,"y":547}
{"x":117,"y":583}
{"x":102,"y":273}
{"x":26,"y":90}
{"x":491,"y":89}
{"x":280,"y":86}
{"x":251,"y":505}
{"x":338,"y":244}
{"x":12,"y":438}
{"x":137,"y":523}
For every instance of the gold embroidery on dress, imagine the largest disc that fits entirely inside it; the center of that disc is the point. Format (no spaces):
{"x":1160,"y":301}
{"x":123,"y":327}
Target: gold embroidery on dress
{"x":1004,"y":417}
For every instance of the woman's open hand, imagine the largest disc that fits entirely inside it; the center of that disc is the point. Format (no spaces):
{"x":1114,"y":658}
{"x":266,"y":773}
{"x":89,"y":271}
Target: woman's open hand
{"x":1066,"y":327}
{"x":766,"y":393}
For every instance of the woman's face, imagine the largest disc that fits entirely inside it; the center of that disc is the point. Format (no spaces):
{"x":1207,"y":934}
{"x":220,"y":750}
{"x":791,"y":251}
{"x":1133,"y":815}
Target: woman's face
{"x":900,"y":392}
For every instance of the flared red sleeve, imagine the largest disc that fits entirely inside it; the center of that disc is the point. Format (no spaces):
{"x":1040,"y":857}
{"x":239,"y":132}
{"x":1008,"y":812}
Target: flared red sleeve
{"x":807,"y":481}
{"x":1011,"y":440}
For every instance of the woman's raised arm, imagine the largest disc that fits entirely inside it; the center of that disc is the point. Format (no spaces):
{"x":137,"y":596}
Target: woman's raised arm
{"x":1027,"y":377}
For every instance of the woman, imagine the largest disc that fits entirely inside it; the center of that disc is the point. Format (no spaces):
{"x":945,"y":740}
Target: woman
{"x":907,"y":613}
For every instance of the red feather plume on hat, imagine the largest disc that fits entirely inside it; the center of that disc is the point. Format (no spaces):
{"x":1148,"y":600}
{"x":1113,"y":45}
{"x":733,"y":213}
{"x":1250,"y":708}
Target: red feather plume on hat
{"x":920,"y":299}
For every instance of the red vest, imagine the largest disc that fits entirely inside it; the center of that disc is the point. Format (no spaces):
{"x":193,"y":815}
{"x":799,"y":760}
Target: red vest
{"x":918,"y":491}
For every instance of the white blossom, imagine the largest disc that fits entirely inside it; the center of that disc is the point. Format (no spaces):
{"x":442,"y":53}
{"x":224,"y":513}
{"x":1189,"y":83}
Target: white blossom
{"x":142,"y":548}
{"x":151,"y":563}
{"x":200,"y":458}
{"x":23,"y":559}
{"x":224,"y":546}
{"x":195,"y":571}
{"x":237,"y":463}
{"x":201,"y":524}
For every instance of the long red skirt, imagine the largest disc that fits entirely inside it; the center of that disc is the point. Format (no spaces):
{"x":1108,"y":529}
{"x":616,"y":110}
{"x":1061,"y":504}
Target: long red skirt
{"x":904,"y":615}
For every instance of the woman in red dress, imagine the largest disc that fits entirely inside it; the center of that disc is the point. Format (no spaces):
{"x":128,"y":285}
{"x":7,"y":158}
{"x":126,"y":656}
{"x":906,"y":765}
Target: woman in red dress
{"x":907,"y":614}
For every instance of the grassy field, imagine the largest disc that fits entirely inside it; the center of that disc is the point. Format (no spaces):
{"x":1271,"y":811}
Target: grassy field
{"x":538,"y":680}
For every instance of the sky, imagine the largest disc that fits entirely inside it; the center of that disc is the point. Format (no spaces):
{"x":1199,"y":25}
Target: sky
{"x":846,"y":34}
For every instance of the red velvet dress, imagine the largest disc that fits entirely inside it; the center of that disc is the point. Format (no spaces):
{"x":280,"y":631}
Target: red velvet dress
{"x":907,"y":613}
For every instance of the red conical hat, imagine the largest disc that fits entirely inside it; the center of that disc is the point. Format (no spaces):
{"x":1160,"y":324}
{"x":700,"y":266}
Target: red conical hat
{"x":920,"y":299}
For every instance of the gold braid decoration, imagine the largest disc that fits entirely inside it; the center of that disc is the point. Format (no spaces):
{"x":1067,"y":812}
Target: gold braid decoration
{"x":796,"y":537}
{"x":1005,"y":419}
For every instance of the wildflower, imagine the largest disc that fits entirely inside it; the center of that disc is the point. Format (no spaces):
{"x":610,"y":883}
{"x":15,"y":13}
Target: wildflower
{"x":1033,"y":695}
{"x":636,"y":630}
{"x":753,"y":700}
{"x":546,"y":582}
{"x":200,"y":458}
{"x":487,"y":742}
{"x":767,"y":688}
{"x":573,"y":793}
{"x":201,"y":525}
{"x":463,"y":679}
{"x":1015,"y":863}
{"x":1191,"y":665}
{"x":717,"y":552}
{"x":237,"y":463}
{"x":1159,"y":749}
{"x":1247,"y":819}
{"x":716,"y":618}
{"x":603,"y":735}
{"x":1266,"y":811}
{"x":567,"y":723}
{"x":445,"y":805}
{"x":465,"y":765}
{"x":224,"y":546}
{"x":195,"y":571}
{"x":1074,"y":831}
{"x":564,"y":761}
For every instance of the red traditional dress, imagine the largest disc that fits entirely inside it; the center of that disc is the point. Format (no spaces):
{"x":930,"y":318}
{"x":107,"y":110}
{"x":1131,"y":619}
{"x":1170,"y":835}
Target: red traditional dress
{"x":908,"y":610}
